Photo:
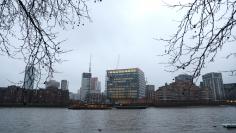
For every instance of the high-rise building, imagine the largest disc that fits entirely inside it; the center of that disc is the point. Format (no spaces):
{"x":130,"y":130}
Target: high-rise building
{"x":123,"y":84}
{"x":95,"y":85}
{"x":29,"y":77}
{"x":183,"y":77}
{"x":64,"y":84}
{"x":214,"y":82}
{"x":85,"y":86}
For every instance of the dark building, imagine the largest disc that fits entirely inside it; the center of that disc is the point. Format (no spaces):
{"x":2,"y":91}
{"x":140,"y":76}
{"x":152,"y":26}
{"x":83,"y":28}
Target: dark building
{"x":17,"y":96}
{"x":123,"y":85}
{"x":230,"y":91}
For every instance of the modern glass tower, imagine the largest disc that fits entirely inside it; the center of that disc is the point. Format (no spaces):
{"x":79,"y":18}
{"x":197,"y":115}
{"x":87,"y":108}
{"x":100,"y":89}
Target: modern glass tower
{"x":214,"y":82}
{"x":29,"y":77}
{"x":85,"y":86}
{"x":125,"y":84}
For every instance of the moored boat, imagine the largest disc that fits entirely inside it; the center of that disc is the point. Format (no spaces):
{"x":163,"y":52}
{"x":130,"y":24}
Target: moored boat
{"x":131,"y":107}
{"x":90,"y":106}
{"x":229,"y":125}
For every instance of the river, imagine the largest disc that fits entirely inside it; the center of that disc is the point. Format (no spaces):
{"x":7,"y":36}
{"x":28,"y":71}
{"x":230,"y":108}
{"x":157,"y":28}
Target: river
{"x":150,"y":120}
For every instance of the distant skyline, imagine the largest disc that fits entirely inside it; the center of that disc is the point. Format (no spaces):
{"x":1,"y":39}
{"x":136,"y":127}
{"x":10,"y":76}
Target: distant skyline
{"x":123,"y":29}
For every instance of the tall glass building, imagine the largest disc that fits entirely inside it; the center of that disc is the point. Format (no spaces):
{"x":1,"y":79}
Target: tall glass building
{"x":124,"y":84}
{"x":214,"y":82}
{"x":85,"y":86}
{"x":29,"y":77}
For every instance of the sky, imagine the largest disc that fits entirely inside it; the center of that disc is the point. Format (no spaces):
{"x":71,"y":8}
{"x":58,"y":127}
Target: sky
{"x":121,"y":35}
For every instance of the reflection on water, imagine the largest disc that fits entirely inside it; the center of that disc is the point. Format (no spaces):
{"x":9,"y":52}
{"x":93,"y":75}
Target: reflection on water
{"x":151,"y":120}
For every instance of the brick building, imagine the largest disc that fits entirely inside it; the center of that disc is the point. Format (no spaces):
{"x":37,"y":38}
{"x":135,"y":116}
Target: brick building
{"x":17,"y":96}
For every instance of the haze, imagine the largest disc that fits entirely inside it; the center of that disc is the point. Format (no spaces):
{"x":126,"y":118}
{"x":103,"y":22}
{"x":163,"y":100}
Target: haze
{"x":123,"y":29}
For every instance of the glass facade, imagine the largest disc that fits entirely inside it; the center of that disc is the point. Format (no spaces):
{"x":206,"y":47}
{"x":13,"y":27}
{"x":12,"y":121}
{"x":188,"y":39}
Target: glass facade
{"x":29,"y":77}
{"x":214,"y":82}
{"x":125,"y":84}
{"x":85,"y":86}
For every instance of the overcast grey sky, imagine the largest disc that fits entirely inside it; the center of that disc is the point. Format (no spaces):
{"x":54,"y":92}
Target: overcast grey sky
{"x":124,"y":28}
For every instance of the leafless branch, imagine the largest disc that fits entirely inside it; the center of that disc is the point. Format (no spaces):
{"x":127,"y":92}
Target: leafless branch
{"x":28,"y":27}
{"x":207,"y":26}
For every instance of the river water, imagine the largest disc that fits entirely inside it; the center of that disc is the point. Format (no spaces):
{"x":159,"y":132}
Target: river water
{"x":151,"y":120}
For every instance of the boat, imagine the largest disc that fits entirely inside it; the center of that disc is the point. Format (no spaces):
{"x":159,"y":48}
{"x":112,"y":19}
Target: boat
{"x":131,"y":107}
{"x":90,"y":106}
{"x":229,"y":125}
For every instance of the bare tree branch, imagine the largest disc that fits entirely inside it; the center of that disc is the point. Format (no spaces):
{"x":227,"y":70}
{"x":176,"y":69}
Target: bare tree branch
{"x":207,"y":26}
{"x":32,"y":24}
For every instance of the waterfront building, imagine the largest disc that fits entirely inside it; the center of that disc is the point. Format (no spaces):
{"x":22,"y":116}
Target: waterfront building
{"x":29,"y":77}
{"x":184,"y":77}
{"x":123,"y":85}
{"x":181,"y":92}
{"x":17,"y":96}
{"x":230,"y":91}
{"x":52,"y":84}
{"x":214,"y":82}
{"x":85,"y":86}
{"x":64,"y":84}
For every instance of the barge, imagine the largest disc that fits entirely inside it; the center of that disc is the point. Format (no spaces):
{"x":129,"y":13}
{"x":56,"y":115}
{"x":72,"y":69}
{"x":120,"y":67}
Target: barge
{"x":90,"y":106}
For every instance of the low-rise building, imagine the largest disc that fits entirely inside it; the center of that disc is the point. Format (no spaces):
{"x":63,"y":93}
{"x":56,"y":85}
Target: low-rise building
{"x":181,"y":91}
{"x":230,"y":91}
{"x":17,"y":96}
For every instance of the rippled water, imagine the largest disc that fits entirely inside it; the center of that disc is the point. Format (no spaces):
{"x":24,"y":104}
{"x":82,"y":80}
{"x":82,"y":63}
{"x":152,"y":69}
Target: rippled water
{"x":151,"y":120}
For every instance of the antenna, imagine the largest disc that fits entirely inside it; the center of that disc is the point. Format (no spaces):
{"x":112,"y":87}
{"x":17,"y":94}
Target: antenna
{"x":118,"y":61}
{"x":90,"y":63}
